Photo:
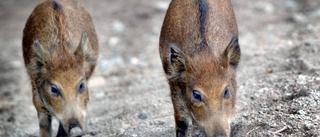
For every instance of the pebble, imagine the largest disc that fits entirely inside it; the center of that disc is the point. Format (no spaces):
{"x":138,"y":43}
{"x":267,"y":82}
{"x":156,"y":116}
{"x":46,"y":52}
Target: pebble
{"x":308,"y":126}
{"x":270,"y":71}
{"x":302,"y":79}
{"x":317,"y":117}
{"x":16,"y":64}
{"x":300,"y":18}
{"x":273,"y":125}
{"x":118,"y":26}
{"x":143,"y":115}
{"x":269,"y":8}
{"x":278,"y":108}
{"x":310,"y":26}
{"x":134,"y":60}
{"x":266,"y":7}
{"x":301,"y":112}
{"x":114,"y":41}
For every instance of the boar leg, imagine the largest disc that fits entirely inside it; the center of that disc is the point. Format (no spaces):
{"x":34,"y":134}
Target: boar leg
{"x":45,"y":124}
{"x":61,"y":131}
{"x":181,"y":128}
{"x":180,"y":115}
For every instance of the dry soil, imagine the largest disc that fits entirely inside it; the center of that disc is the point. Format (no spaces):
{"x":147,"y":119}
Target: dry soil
{"x":278,"y":81}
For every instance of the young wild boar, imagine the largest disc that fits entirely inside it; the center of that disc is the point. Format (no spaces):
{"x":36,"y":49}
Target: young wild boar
{"x":200,"y":53}
{"x":60,"y":50}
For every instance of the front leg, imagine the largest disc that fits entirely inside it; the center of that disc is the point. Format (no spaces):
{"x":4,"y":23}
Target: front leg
{"x":44,"y":118}
{"x":44,"y":124}
{"x":182,"y":119}
{"x":62,"y":132}
{"x":181,"y":128}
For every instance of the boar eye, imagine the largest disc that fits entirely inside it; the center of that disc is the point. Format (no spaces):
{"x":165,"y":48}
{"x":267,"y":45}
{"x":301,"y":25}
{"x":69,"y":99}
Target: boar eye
{"x":226,"y":93}
{"x":54,"y":91}
{"x":197,"y":95}
{"x":81,"y":87}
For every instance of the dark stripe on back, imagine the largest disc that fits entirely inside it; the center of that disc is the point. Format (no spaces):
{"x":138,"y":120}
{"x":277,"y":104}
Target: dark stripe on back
{"x":203,"y":9}
{"x":56,"y":5}
{"x":60,"y":21}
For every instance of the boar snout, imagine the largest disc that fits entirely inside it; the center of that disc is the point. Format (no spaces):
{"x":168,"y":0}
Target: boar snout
{"x":73,"y":123}
{"x":221,"y":132}
{"x":217,"y":134}
{"x":220,"y":135}
{"x":72,"y":127}
{"x":217,"y":131}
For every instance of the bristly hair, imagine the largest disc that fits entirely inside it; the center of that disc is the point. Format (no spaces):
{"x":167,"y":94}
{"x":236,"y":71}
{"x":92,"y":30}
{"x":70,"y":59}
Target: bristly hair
{"x":60,"y":23}
{"x":64,"y":56}
{"x":203,"y":9}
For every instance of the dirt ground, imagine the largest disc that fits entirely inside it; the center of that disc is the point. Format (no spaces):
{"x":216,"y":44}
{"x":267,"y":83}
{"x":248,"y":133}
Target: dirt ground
{"x":278,"y":81}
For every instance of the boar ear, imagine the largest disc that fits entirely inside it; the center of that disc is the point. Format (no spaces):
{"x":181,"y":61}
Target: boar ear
{"x":80,"y":52}
{"x":37,"y":50}
{"x":37,"y":60}
{"x":177,"y":59}
{"x":84,"y":53}
{"x":233,"y":53}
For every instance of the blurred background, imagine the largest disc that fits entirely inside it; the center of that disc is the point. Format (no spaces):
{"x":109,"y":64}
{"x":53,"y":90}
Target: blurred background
{"x":278,"y":81}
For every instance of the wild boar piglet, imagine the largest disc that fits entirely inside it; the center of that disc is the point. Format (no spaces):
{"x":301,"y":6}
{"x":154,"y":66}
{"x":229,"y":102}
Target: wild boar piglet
{"x":60,"y":50}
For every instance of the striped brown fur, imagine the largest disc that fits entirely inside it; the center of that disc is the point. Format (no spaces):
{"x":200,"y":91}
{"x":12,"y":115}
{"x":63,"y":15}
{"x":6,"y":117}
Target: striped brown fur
{"x":200,"y":53}
{"x":60,"y":50}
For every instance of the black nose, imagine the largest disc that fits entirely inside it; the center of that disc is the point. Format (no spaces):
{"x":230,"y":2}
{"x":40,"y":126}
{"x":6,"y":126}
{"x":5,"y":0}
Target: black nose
{"x":73,"y":123}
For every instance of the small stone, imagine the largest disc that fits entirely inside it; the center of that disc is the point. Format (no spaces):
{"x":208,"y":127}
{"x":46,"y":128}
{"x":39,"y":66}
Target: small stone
{"x":270,"y":71}
{"x":301,"y":112}
{"x":278,"y":108}
{"x":269,"y":8}
{"x":317,"y":117}
{"x":308,"y":126}
{"x":302,"y":79}
{"x":121,"y":131}
{"x":310,"y":26}
{"x":273,"y":125}
{"x":16,"y":64}
{"x":113,"y":41}
{"x":118,"y":26}
{"x":134,"y":60}
{"x":300,"y":18}
{"x":160,"y":123}
{"x":143,"y":115}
